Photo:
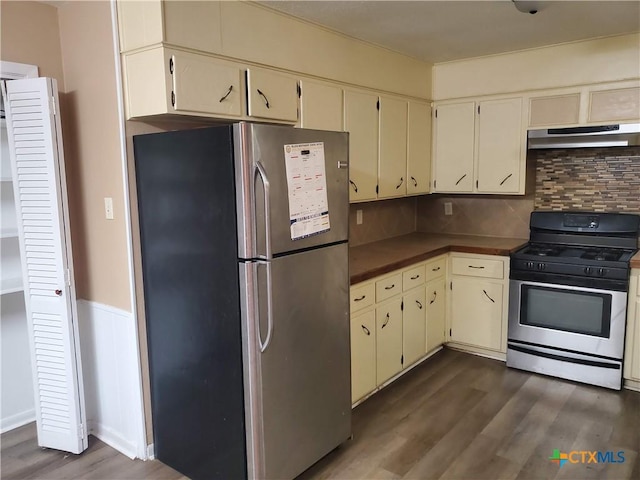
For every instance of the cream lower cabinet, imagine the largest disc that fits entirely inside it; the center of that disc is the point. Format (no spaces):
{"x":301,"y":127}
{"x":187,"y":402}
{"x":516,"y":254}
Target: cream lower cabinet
{"x":632,"y":347}
{"x":436,"y":313}
{"x":478,"y":301}
{"x":363,"y":354}
{"x":388,"y":340}
{"x":414,"y":325}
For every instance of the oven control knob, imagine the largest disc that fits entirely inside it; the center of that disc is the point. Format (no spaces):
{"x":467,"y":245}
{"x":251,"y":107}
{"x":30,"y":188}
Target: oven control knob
{"x":541,"y":266}
{"x":602,"y":272}
{"x":588,"y":270}
{"x":530,"y":265}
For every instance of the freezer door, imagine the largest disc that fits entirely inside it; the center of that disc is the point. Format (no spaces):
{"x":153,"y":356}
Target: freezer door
{"x":262,"y":188}
{"x":299,"y":387}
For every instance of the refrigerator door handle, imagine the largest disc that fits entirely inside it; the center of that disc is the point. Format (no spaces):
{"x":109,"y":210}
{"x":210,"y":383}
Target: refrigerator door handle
{"x":267,"y":340}
{"x":260,"y":171}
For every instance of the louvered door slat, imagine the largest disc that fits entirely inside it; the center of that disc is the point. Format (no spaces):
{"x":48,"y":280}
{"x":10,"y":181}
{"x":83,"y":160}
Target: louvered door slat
{"x":39,"y":183}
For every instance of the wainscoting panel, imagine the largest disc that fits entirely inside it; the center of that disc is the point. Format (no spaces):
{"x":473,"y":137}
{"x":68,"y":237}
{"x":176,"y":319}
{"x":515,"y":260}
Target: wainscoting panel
{"x":110,"y":365}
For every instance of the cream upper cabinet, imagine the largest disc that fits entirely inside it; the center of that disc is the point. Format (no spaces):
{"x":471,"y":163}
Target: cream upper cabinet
{"x":418,"y":148}
{"x":388,"y":340}
{"x":554,"y":110}
{"x":501,"y":146}
{"x":363,"y":354}
{"x":614,"y":105}
{"x":320,"y":106}
{"x":413,"y":325}
{"x":392,"y":164}
{"x":361,"y":121}
{"x":454,"y":145}
{"x":161,"y":81}
{"x":271,"y":95}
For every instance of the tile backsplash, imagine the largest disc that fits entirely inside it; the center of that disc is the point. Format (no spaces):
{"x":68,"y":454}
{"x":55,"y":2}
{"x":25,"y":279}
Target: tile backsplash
{"x":590,"y":179}
{"x":382,"y":219}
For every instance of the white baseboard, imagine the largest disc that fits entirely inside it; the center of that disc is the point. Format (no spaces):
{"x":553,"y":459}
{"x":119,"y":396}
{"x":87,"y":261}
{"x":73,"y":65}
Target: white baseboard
{"x":110,"y":370}
{"x":17,"y":420}
{"x":151,"y":452}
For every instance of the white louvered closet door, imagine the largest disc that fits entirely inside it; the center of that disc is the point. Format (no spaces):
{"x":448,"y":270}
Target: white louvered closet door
{"x":35,"y":145}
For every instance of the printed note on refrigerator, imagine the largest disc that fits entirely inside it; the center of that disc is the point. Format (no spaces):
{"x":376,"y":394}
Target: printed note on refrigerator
{"x":307,"y":185}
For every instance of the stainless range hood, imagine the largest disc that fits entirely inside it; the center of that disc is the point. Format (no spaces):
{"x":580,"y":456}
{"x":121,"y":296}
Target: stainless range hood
{"x":584,"y":137}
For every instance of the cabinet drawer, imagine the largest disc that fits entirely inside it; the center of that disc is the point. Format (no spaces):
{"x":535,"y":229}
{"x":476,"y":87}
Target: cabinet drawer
{"x":388,"y":287}
{"x":361,"y":296}
{"x":436,"y":269}
{"x":413,"y":278}
{"x":477,"y":267}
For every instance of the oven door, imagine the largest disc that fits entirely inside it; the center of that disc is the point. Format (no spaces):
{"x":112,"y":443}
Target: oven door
{"x":571,"y":318}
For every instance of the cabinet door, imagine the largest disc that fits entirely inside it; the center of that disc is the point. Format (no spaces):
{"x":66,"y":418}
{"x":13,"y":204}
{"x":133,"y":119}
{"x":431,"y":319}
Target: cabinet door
{"x":501,"y":140}
{"x":206,"y":85}
{"x":554,"y":110}
{"x":191,"y":24}
{"x":361,"y":121}
{"x":635,"y":345}
{"x":435,"y":313}
{"x":413,"y":326}
{"x":418,"y":148}
{"x":388,"y":340}
{"x":363,"y":354}
{"x":476,"y":312}
{"x":320,"y":106}
{"x":392,"y":166}
{"x":454,"y":147}
{"x":614,"y":105}
{"x":271,"y":95}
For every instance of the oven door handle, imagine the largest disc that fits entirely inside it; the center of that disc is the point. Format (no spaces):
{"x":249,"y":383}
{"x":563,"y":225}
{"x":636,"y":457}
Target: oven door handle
{"x":563,"y":358}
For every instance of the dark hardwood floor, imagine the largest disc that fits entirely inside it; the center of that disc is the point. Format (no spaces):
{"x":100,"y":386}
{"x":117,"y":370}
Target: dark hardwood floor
{"x":457,"y":416}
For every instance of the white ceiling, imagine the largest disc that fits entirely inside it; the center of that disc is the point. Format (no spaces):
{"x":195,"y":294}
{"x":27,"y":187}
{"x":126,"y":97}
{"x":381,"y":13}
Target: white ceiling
{"x":441,"y":31}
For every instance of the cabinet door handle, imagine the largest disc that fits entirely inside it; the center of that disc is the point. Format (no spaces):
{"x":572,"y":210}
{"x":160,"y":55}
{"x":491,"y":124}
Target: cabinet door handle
{"x":353,"y":184}
{"x":415,"y":182}
{"x":460,"y":179}
{"x":359,"y":298}
{"x":473,"y":266}
{"x":435,"y":294}
{"x":506,"y":178}
{"x":416,"y":277}
{"x":385,"y":322}
{"x":226,"y":94}
{"x":400,"y":184}
{"x":435,"y":269}
{"x":390,"y":286}
{"x":58,"y":293}
{"x":366,"y":330}
{"x":419,"y":304}
{"x":266,"y":100}
{"x":485,"y":292}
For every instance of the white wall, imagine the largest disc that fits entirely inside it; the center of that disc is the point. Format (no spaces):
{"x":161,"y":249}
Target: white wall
{"x":593,"y":61}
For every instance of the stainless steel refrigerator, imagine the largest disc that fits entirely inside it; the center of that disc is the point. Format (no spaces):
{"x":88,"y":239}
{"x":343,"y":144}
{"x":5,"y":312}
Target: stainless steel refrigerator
{"x":244,"y":233}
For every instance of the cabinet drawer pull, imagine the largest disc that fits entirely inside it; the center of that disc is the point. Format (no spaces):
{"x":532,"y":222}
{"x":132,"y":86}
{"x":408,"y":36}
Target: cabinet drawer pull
{"x":419,"y":304}
{"x":400,"y":184}
{"x":58,"y":293}
{"x":366,"y":330}
{"x":435,"y":294}
{"x":506,"y":178}
{"x":485,"y":292}
{"x":266,"y":100}
{"x":415,"y":182}
{"x":390,"y":286}
{"x":353,"y":184}
{"x":416,"y":277}
{"x":435,"y":269}
{"x":385,"y":322}
{"x":460,"y":179}
{"x":473,"y":266}
{"x":226,"y":94}
{"x":359,"y":298}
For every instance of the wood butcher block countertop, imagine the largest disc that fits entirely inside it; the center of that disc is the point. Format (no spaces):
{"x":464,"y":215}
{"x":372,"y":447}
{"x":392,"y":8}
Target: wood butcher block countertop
{"x":377,"y":258}
{"x":635,"y":263}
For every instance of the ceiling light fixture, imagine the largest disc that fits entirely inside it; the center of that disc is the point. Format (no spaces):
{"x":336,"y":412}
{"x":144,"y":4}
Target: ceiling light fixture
{"x":525,"y":6}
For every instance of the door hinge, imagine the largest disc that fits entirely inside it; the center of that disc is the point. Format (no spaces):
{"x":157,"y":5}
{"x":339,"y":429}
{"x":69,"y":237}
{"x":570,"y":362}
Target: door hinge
{"x":173,"y":99}
{"x":477,"y":184}
{"x":53,"y":106}
{"x":378,"y":104}
{"x":376,"y":189}
{"x":449,"y":332}
{"x":434,"y":184}
{"x":402,"y":360}
{"x":171,"y":65}
{"x":478,"y":109}
{"x":402,"y":306}
{"x":436,"y":113}
{"x":299,"y":90}
{"x":451,"y":285}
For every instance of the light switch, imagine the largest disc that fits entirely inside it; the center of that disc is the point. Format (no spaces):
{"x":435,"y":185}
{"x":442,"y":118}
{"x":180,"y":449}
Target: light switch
{"x":448,"y":208}
{"x":358,"y":217}
{"x":108,"y":208}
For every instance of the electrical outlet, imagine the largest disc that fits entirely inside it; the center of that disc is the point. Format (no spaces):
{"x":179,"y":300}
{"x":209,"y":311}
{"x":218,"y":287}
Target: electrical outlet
{"x":448,"y":208}
{"x":108,"y":208}
{"x":358,"y":217}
